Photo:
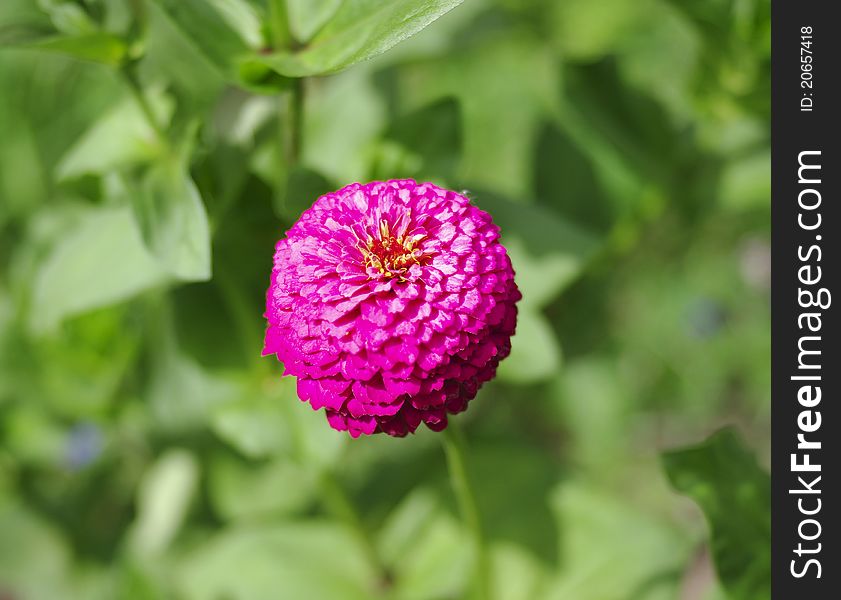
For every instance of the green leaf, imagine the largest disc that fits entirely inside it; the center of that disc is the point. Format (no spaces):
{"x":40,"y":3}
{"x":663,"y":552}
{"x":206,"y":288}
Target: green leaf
{"x":243,"y":490}
{"x":361,"y":29}
{"x":516,"y":574}
{"x":746,"y":183}
{"x":67,"y":16}
{"x":121,"y":137}
{"x":100,"y":259}
{"x":535,"y":351}
{"x":723,"y":477}
{"x":437,"y":561}
{"x":256,"y":423}
{"x":194,"y":77}
{"x":198,"y":391}
{"x":95,"y":47}
{"x":173,"y":222}
{"x":547,"y":251}
{"x":506,"y":84}
{"x":313,"y":560}
{"x":307,"y":17}
{"x":303,"y":186}
{"x":163,"y":499}
{"x":586,"y":30}
{"x":345,"y":115}
{"x":34,"y":558}
{"x":221,"y":30}
{"x":611,"y":549}
{"x":425,"y":144}
{"x":568,"y":181}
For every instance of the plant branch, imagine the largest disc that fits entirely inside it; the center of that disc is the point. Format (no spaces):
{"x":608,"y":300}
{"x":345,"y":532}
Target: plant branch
{"x":293,"y":123}
{"x":455,"y":450}
{"x":136,"y":89}
{"x":336,"y":501}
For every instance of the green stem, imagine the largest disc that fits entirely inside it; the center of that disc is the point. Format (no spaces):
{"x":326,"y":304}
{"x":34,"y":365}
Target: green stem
{"x":136,"y":89}
{"x":279,"y":25}
{"x":337,"y":502}
{"x":293,"y":123}
{"x":454,"y":448}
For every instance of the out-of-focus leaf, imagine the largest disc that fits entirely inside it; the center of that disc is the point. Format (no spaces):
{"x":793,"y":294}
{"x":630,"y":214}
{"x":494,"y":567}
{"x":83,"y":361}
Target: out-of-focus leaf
{"x":222,"y":30}
{"x":515,"y":509}
{"x":173,"y":222}
{"x":404,"y":524}
{"x":80,"y":370}
{"x":33,"y":436}
{"x":33,"y":557}
{"x":306,"y":17}
{"x":629,"y":121}
{"x":23,"y":178}
{"x":587,"y":30}
{"x":359,"y":30}
{"x":195,"y":78}
{"x":260,"y":79}
{"x":547,"y":251}
{"x":746,"y":183}
{"x":568,"y":181}
{"x":515,"y":573}
{"x":303,"y":187}
{"x":256,"y":423}
{"x":99,"y":260}
{"x":439,"y":563}
{"x":313,"y":560}
{"x":598,"y":428}
{"x":122,"y":137}
{"x":609,"y":549}
{"x":95,"y":47}
{"x":668,"y":76}
{"x":242,"y":490}
{"x":163,"y":499}
{"x":535,"y":351}
{"x":344,"y":114}
{"x":424,"y":145}
{"x":506,"y":85}
{"x":68,"y":17}
{"x":183,"y":394}
{"x":723,"y":477}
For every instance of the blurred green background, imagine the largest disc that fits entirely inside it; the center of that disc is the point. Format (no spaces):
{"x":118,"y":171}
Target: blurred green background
{"x":152,"y":151}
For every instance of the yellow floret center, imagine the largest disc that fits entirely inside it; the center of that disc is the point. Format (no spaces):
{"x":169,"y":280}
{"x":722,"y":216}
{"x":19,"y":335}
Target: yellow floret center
{"x":391,"y":255}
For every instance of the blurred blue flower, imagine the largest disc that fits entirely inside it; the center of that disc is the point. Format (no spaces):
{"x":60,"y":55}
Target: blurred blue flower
{"x":704,"y":317}
{"x":83,"y":445}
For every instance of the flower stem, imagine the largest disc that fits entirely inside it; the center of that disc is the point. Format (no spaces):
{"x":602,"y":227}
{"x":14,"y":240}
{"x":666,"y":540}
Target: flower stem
{"x":337,"y":502}
{"x":454,"y":448}
{"x":279,"y":24}
{"x":293,"y":122}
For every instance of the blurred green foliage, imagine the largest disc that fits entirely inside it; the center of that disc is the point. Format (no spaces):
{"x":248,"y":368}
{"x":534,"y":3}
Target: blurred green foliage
{"x":147,"y":451}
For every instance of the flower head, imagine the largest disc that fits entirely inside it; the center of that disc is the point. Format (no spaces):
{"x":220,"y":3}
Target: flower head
{"x":392,"y":303}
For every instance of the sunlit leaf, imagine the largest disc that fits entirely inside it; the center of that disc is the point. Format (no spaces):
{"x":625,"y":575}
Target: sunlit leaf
{"x":99,"y":260}
{"x":535,"y":351}
{"x":360,"y":29}
{"x":612,"y":549}
{"x":164,"y":497}
{"x":244,"y":490}
{"x":173,"y":222}
{"x":95,"y":47}
{"x":221,"y":30}
{"x":313,"y":560}
{"x":121,"y":137}
{"x":306,"y":17}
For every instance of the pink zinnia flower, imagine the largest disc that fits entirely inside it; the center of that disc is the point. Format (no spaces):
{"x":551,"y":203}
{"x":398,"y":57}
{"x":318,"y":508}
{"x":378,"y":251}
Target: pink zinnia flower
{"x":392,"y":303}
